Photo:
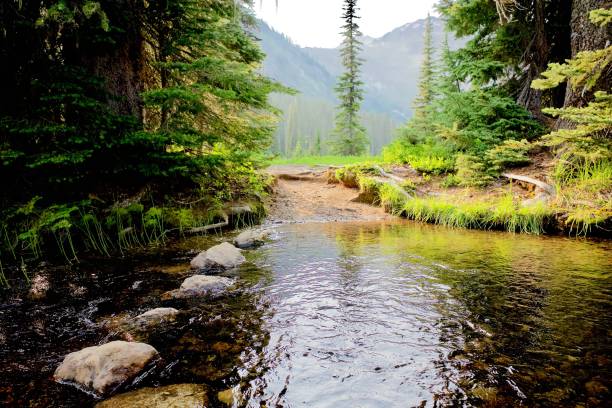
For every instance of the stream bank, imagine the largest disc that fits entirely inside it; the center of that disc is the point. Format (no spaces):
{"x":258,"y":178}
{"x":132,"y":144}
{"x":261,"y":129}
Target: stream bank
{"x":520,"y":202}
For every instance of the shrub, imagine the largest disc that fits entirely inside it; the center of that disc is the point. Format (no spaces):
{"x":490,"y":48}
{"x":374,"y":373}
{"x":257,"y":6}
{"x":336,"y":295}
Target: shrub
{"x":510,"y":153}
{"x":471,"y":171}
{"x":429,"y":158}
{"x":449,"y":181}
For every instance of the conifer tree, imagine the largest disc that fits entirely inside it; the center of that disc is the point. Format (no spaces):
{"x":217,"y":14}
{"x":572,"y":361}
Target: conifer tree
{"x":589,"y":137}
{"x":420,"y":126}
{"x":446,"y":82}
{"x":423,"y":103}
{"x":425,"y":97}
{"x":349,"y":136}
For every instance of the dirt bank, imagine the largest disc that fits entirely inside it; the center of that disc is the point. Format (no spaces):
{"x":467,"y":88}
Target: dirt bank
{"x":302,"y":194}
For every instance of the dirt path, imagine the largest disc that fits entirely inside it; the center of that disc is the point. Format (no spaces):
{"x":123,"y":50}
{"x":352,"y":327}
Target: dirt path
{"x":302,"y":194}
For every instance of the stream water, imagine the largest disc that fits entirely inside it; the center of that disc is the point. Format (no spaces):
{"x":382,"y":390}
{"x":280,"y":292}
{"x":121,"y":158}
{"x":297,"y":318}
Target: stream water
{"x":381,"y":314}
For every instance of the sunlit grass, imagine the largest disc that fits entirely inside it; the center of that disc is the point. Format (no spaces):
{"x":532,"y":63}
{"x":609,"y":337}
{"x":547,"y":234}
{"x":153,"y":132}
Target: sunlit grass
{"x":503,"y":214}
{"x":325,"y":160}
{"x":583,"y":193}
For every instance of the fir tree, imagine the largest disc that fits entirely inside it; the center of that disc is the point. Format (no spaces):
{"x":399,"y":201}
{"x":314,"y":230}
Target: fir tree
{"x":422,"y":103}
{"x":349,"y":136}
{"x":421,"y":127}
{"x":446,"y":83}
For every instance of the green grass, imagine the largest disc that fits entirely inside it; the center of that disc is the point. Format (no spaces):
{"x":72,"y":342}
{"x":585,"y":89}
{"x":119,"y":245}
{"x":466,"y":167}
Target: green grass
{"x":325,"y":160}
{"x":504,"y":214}
{"x":583,"y":191}
{"x":426,"y":158}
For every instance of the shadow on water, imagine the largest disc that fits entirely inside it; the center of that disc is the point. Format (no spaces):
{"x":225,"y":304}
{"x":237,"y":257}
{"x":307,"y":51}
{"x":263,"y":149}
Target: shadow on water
{"x":214,"y":341}
{"x":343,"y":315}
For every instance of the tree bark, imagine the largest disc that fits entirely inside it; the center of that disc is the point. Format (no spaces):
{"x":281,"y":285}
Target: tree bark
{"x":121,"y":66}
{"x":536,"y":58}
{"x":585,"y":36}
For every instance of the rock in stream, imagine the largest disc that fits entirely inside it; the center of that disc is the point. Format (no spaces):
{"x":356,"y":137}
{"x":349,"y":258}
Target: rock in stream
{"x":171,"y":396}
{"x":199,"y":285}
{"x":225,"y":256}
{"x":103,"y":369}
{"x":251,"y":238}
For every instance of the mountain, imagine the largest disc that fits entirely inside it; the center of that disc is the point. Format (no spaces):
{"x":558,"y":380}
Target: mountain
{"x":391,"y":66}
{"x":390,"y":73}
{"x":292,"y":66}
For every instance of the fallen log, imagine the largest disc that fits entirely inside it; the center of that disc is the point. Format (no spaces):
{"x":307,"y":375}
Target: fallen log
{"x":206,"y":228}
{"x":526,"y":179}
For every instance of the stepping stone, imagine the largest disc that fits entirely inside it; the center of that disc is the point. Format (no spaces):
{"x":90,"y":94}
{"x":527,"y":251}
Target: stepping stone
{"x":103,"y":369}
{"x":225,"y":256}
{"x":251,"y":238}
{"x":199,"y":285}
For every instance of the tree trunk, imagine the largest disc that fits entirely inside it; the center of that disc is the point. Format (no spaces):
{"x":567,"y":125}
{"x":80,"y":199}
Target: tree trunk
{"x":122,"y":65}
{"x":537,"y":56}
{"x":585,"y":36}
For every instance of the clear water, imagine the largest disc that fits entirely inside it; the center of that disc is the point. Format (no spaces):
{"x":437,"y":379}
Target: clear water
{"x":347,"y":315}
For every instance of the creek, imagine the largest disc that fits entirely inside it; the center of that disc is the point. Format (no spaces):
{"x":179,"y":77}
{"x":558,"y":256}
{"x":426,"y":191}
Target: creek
{"x":347,"y":314}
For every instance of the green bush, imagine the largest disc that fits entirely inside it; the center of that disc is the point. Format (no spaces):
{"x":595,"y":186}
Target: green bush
{"x":509,"y":154}
{"x":472,"y":171}
{"x":428,"y":158}
{"x":450,"y":180}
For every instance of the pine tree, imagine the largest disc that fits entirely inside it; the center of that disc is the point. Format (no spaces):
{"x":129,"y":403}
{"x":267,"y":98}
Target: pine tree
{"x":422,"y":103}
{"x":421,"y":127}
{"x":349,"y":136}
{"x":317,"y":146}
{"x":446,"y":83}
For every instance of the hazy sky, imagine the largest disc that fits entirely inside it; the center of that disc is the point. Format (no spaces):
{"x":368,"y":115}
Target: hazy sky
{"x":315,"y":23}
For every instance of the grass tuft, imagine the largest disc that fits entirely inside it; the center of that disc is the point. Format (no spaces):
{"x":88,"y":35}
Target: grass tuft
{"x":504,"y":214}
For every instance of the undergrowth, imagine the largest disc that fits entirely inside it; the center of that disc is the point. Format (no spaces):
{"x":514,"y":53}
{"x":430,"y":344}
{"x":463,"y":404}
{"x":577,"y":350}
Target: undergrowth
{"x":325,"y":160}
{"x":584,"y":193}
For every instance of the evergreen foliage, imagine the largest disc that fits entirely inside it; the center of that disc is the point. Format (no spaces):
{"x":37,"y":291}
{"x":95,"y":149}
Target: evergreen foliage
{"x":422,"y":105}
{"x":349,"y":136}
{"x":120,"y":101}
{"x":589,"y":139}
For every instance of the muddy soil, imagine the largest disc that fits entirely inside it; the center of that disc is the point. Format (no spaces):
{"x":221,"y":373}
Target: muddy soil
{"x":303,"y":194}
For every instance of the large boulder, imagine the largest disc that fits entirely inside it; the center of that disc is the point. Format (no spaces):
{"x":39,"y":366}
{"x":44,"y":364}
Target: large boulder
{"x":251,"y":238}
{"x":199,"y":285}
{"x":225,"y":256}
{"x":103,"y":369}
{"x":171,"y":396}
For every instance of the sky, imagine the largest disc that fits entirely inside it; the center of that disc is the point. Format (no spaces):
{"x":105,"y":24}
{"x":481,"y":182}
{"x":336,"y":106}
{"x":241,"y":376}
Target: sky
{"x":316,"y":23}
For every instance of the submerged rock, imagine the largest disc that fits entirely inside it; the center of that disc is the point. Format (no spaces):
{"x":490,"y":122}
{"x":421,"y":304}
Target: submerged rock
{"x":224,"y":256}
{"x":102,"y":369}
{"x":156,"y":316}
{"x":251,"y":238}
{"x":226,"y":397}
{"x":40,"y":287}
{"x":171,"y":396}
{"x":199,"y":285}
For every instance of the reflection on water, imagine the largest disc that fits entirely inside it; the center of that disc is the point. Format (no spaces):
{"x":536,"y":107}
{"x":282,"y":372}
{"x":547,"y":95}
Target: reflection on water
{"x":375,"y":315}
{"x":343,"y":315}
